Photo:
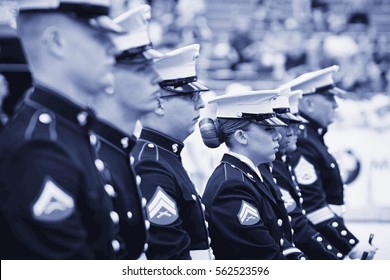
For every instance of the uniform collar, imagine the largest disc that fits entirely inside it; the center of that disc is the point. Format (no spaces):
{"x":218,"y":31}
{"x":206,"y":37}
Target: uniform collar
{"x":247,"y":161}
{"x":314,"y":125}
{"x":61,"y":106}
{"x":114,"y":136}
{"x":162,"y":140}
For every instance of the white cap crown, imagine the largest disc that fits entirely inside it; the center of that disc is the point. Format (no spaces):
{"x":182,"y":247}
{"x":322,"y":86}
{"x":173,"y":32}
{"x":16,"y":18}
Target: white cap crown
{"x":136,"y":23}
{"x":178,"y":64}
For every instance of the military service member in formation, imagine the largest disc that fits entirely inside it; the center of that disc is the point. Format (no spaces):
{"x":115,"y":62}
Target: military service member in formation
{"x":178,"y":226}
{"x":246,"y":222}
{"x":55,"y":203}
{"x":316,"y":170}
{"x":305,"y":236}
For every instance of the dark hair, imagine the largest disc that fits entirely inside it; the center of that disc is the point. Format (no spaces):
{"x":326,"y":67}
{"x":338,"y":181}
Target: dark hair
{"x":217,"y":131}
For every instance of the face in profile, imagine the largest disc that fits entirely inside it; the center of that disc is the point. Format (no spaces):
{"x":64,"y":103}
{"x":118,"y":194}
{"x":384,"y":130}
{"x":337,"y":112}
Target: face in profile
{"x":323,"y":108}
{"x":136,"y":86}
{"x":183,"y":112}
{"x":262,"y":143}
{"x":90,"y":56}
{"x":287,"y":138}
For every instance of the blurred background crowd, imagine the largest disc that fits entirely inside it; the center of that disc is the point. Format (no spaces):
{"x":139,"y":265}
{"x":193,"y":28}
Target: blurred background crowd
{"x":261,"y":44}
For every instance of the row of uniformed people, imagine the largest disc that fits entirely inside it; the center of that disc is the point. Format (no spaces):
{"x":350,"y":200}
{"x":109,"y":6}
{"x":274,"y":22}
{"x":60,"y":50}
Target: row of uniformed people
{"x":238,"y":197}
{"x":67,"y":179}
{"x":68,"y":183}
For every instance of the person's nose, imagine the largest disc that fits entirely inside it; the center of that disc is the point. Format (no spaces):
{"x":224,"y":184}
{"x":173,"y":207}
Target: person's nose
{"x":200,"y":103}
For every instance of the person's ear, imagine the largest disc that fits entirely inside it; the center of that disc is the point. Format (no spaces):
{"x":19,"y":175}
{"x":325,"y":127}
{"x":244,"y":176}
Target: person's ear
{"x":241,"y":137}
{"x":54,"y":41}
{"x":307,"y":104}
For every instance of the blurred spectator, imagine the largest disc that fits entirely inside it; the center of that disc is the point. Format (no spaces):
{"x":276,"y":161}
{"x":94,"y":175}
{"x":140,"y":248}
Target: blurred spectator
{"x":240,"y":39}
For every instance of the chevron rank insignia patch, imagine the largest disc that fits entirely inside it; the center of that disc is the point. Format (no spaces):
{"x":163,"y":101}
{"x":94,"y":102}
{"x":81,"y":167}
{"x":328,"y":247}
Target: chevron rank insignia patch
{"x":53,"y":203}
{"x":305,"y":172}
{"x":161,"y":209}
{"x":248,"y":214}
{"x":289,"y":202}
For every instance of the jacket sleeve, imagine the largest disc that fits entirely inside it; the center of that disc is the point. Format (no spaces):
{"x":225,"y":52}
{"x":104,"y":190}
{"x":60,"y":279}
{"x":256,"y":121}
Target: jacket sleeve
{"x":167,"y":237}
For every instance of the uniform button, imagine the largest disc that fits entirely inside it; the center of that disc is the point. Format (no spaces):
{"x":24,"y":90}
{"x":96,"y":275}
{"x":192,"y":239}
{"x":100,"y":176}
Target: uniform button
{"x":292,"y":231}
{"x":249,"y":175}
{"x":109,"y":190}
{"x":194,"y":197}
{"x":275,"y":181}
{"x":301,"y":127}
{"x":129,"y":214}
{"x":289,"y":168}
{"x":233,"y":166}
{"x":343,"y":233}
{"x":335,"y":224}
{"x":281,"y":241}
{"x":299,"y":194}
{"x":304,"y":212}
{"x":300,"y":200}
{"x":138,"y":179}
{"x":99,"y":164}
{"x":150,"y":145}
{"x":209,"y":239}
{"x":352,"y":241}
{"x":175,"y":148}
{"x":115,"y":245}
{"x":280,"y":222}
{"x":125,"y":142}
{"x":132,"y":160}
{"x":82,"y":118}
{"x":339,"y":255}
{"x":147,"y":224}
{"x":203,"y":207}
{"x":93,"y":139}
{"x":289,"y":218}
{"x":329,"y":247}
{"x":293,"y":177}
{"x":144,"y":202}
{"x":45,"y":118}
{"x":303,"y":258}
{"x":297,"y":188}
{"x":319,"y":239}
{"x":146,"y":246}
{"x":114,"y":217}
{"x":332,"y":165}
{"x":207,"y":224}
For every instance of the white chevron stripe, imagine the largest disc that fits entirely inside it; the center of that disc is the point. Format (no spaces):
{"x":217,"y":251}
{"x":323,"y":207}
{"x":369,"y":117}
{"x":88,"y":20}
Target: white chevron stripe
{"x":161,"y":200}
{"x":247,"y":209}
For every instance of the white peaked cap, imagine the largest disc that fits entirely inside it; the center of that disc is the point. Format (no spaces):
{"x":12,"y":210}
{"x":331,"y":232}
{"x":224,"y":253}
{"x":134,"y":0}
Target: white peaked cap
{"x":96,"y":10}
{"x":178,"y":64}
{"x":294,"y":100}
{"x":252,"y":102}
{"x":54,"y":4}
{"x":281,"y":101}
{"x":136,"y":22}
{"x":320,"y":81}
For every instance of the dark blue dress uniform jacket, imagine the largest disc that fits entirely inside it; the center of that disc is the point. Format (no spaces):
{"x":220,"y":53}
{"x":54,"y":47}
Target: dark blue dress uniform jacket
{"x":53,"y":200}
{"x":306,"y":237}
{"x":320,"y":182}
{"x":245,"y":219}
{"x":114,"y":147}
{"x":174,"y":207}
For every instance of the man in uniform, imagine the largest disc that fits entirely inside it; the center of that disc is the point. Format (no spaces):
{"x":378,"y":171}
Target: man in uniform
{"x":178,"y":226}
{"x":56,"y":201}
{"x":136,"y":91}
{"x":316,"y":170}
{"x":305,"y":236}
